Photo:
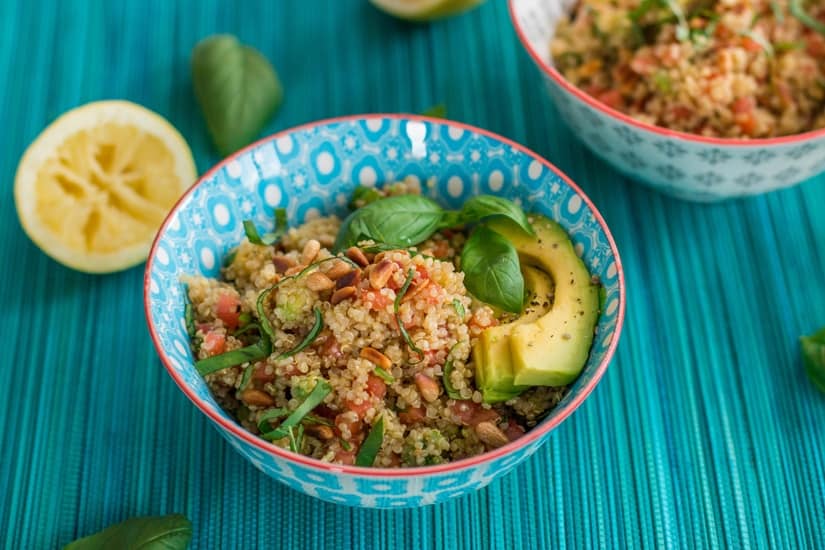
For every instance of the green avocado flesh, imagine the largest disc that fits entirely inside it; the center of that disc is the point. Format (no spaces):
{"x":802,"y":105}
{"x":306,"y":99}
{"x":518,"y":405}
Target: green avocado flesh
{"x":493,"y":347}
{"x":550,"y":346}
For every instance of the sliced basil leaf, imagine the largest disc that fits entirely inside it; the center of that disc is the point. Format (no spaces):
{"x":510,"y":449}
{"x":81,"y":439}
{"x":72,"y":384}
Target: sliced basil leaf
{"x":372,"y":444}
{"x":491,"y":270}
{"x":813,"y":357}
{"x":310,"y":337}
{"x":172,"y":532}
{"x":256,"y":351}
{"x":481,"y":207}
{"x":270,"y":238}
{"x":459,"y":309}
{"x":400,"y":221}
{"x":395,"y":307}
{"x":237,"y":88}
{"x":247,"y":376}
{"x":452,"y":393}
{"x":315,"y":398}
{"x":798,"y":10}
{"x":384,"y":375}
{"x":268,"y":416}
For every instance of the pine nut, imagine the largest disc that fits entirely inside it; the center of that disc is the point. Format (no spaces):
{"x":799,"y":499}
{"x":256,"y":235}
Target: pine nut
{"x":257,"y":398}
{"x":353,"y":278}
{"x":343,"y":294}
{"x":376,"y":357}
{"x":338,"y":270}
{"x":311,"y":250}
{"x":320,"y":431}
{"x":282,"y":263}
{"x":319,"y":282}
{"x":357,"y":255}
{"x":427,"y":387}
{"x":381,"y":273}
{"x":491,"y":435}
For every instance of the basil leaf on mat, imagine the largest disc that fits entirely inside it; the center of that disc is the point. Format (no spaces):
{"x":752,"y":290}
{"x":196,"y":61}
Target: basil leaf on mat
{"x":491,"y":270}
{"x":237,"y":88}
{"x":172,"y":532}
{"x":401,"y":221}
{"x":481,"y":207}
{"x":813,"y":357}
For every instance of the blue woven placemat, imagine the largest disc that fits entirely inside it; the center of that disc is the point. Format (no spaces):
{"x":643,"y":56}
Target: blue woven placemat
{"x":704,"y":433}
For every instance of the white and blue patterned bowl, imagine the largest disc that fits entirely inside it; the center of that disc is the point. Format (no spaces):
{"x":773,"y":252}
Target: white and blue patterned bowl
{"x":687,"y":166}
{"x":312,"y":170}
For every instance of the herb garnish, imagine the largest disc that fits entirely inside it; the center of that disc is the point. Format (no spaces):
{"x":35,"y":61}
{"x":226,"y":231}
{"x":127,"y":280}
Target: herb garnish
{"x":397,"y":304}
{"x":384,"y":375}
{"x":372,"y":444}
{"x":247,"y":376}
{"x":798,"y":11}
{"x":459,"y":309}
{"x":813,"y":357}
{"x":259,"y":350}
{"x":452,"y":393}
{"x":270,"y":238}
{"x":268,"y":416}
{"x":172,"y":532}
{"x":310,"y":337}
{"x":315,"y":397}
{"x":492,"y":271}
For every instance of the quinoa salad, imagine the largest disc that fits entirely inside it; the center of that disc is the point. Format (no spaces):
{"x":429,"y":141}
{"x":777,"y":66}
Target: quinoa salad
{"x":354,"y":351}
{"x":720,"y":68}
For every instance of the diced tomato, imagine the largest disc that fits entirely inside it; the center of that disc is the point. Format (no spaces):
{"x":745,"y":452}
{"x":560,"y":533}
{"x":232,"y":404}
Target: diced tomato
{"x":611,"y":98}
{"x":411,"y":415}
{"x":261,"y":375}
{"x":644,"y":64}
{"x":751,"y":45}
{"x":359,"y":409}
{"x":345,"y":457}
{"x":815,"y":45}
{"x":228,"y":309}
{"x":470,"y":413}
{"x":745,"y":104}
{"x":513,"y":431}
{"x":376,"y":386}
{"x":441,"y":249}
{"x":421,"y":273}
{"x":785,"y":93}
{"x":214,"y":343}
{"x":681,"y":112}
{"x":375,"y":299}
{"x":330,"y":347}
{"x":354,"y":426}
{"x":746,"y":123}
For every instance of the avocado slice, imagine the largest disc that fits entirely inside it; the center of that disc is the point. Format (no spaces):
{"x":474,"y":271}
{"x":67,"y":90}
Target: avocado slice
{"x":494,"y":369}
{"x":552,"y":350}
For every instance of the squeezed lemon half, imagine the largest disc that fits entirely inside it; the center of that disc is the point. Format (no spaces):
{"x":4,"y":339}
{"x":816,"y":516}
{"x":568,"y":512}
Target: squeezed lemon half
{"x":92,"y":190}
{"x":424,"y":10}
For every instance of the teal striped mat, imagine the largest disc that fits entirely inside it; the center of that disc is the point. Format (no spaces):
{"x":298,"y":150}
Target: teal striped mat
{"x":704,"y":433}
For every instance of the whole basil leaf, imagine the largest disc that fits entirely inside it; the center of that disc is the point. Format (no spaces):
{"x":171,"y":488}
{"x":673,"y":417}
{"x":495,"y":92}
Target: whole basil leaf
{"x":486,"y":206}
{"x":813,"y":357}
{"x":237,"y":88}
{"x":491,"y":270}
{"x":401,"y":221}
{"x":171,"y":532}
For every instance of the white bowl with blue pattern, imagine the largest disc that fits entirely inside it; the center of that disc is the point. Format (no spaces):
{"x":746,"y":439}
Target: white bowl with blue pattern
{"x":312,"y":170}
{"x":687,"y":166}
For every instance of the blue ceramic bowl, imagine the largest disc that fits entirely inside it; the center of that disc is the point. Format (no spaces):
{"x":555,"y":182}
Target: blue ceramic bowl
{"x":312,"y":170}
{"x":687,"y":166}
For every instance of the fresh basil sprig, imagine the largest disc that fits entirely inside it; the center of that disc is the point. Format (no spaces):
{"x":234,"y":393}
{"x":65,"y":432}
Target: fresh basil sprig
{"x":813,"y":357}
{"x":270,"y":238}
{"x":491,"y":270}
{"x":172,"y":532}
{"x":481,"y":207}
{"x":237,"y":88}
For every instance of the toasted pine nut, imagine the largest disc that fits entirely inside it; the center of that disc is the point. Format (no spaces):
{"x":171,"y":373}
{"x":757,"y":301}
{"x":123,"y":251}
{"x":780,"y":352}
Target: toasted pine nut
{"x":413,"y":291}
{"x":320,"y":431}
{"x":376,"y":357}
{"x":491,"y":435}
{"x":294,"y":270}
{"x":353,"y":278}
{"x":427,"y":387}
{"x":338,"y":270}
{"x":282,"y":263}
{"x":343,"y":294}
{"x":257,"y":398}
{"x":311,"y":250}
{"x":357,"y":255}
{"x":381,"y":273}
{"x":319,"y":282}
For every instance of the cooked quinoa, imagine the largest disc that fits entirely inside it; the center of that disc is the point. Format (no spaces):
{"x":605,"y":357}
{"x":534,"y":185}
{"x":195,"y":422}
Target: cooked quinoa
{"x":360,"y":353}
{"x":722,"y":68}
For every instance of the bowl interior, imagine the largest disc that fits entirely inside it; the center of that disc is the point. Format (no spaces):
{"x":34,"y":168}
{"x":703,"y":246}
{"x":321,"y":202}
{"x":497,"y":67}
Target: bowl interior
{"x":538,"y":20}
{"x":312,"y":171}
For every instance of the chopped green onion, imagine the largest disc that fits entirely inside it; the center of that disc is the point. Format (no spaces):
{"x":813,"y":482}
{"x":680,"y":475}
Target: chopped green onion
{"x":798,"y":11}
{"x":452,"y":393}
{"x":190,"y":319}
{"x":315,"y":397}
{"x":372,"y":444}
{"x":396,"y":304}
{"x":384,"y":375}
{"x":268,"y":416}
{"x":247,"y":376}
{"x":317,"y":420}
{"x":256,"y":351}
{"x":310,"y":337}
{"x":436,"y":111}
{"x":295,"y":441}
{"x":459,"y":308}
{"x":345,"y":445}
{"x":778,"y":14}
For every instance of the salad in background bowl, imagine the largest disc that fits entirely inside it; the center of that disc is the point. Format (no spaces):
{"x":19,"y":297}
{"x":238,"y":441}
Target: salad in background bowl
{"x":368,"y":391}
{"x":701,"y":100}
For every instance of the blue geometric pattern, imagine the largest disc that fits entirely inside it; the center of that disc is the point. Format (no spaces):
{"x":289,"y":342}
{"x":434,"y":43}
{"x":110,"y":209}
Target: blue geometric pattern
{"x":312,"y":171}
{"x":671,"y":164}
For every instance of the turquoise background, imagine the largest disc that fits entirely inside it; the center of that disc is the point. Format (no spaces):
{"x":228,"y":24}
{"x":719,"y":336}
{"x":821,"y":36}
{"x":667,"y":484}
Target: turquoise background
{"x":705,"y":431}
